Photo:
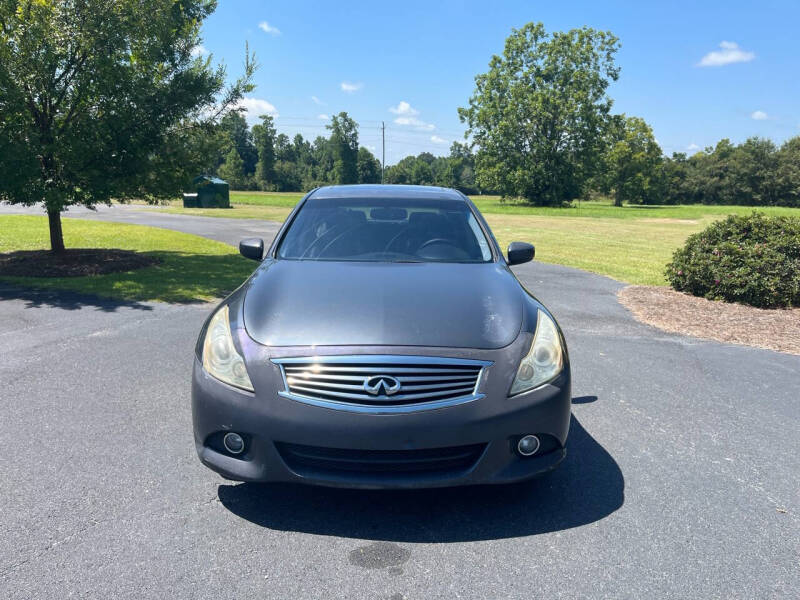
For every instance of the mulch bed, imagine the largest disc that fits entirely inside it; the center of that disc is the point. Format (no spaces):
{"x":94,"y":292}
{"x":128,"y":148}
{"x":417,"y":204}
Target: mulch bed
{"x":775,"y":329}
{"x":74,"y":262}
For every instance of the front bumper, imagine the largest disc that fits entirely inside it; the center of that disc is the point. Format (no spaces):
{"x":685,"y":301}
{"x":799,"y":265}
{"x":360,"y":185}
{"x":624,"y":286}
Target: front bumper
{"x":489,"y":428}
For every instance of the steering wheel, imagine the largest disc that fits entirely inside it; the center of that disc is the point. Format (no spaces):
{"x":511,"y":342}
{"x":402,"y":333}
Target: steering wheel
{"x":438,"y":241}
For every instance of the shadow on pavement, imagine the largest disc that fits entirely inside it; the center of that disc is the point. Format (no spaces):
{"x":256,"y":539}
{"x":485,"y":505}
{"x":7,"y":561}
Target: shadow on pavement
{"x":587,"y":487}
{"x":179,"y":278}
{"x":584,"y":399}
{"x":37,"y":298}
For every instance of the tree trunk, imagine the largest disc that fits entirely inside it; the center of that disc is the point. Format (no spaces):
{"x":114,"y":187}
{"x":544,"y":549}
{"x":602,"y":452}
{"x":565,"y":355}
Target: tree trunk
{"x":56,"y":235}
{"x":617,"y":198}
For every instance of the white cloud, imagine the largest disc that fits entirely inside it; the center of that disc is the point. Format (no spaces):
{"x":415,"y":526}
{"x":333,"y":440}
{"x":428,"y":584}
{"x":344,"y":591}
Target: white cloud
{"x":415,"y":123}
{"x":407,"y":116}
{"x":692,"y":147}
{"x":728,"y":54}
{"x":370,"y":148}
{"x":438,"y":140}
{"x":317,"y":101}
{"x":351,"y":87}
{"x":323,"y":117}
{"x":267,"y":28}
{"x":759,"y":115}
{"x":403,"y":108}
{"x":199,"y":50}
{"x":255,"y":107}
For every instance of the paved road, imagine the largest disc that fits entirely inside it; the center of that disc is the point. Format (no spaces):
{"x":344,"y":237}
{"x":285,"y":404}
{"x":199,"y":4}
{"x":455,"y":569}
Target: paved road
{"x":681,"y":479}
{"x":229,"y":231}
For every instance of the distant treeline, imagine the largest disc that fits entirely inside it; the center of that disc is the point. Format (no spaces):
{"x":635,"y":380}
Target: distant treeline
{"x":258,"y":158}
{"x":756,"y":172}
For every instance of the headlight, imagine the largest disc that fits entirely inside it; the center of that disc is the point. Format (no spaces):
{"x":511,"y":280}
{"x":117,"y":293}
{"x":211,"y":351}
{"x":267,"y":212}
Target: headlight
{"x":545,"y":359}
{"x":220,"y":358}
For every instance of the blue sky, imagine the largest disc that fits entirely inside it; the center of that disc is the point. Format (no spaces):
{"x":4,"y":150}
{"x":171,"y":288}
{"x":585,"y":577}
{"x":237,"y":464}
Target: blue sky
{"x":696,"y":71}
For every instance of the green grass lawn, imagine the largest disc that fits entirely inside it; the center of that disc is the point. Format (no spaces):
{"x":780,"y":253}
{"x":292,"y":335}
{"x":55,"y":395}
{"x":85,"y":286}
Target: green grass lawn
{"x":634,"y":251}
{"x":250,"y":205}
{"x":605,"y":209}
{"x":192,"y":268}
{"x":630,"y":243}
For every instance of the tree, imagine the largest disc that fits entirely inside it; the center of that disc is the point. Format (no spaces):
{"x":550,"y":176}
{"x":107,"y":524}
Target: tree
{"x":674,"y":180}
{"x":753,"y":173}
{"x":401,"y":172}
{"x":443,"y":174}
{"x":426,"y":157}
{"x":631,"y":162}
{"x":462,"y":162}
{"x":232,"y":170}
{"x":344,"y":147}
{"x":712,"y":178}
{"x":304,"y":165}
{"x":322,"y":154}
{"x":287,"y":178}
{"x":98,"y":100}
{"x":264,"y":136}
{"x":284,"y":150}
{"x":788,"y":173}
{"x":421,"y":172}
{"x":369,"y":167}
{"x":301,"y":151}
{"x":240,"y":137}
{"x":538,"y":115}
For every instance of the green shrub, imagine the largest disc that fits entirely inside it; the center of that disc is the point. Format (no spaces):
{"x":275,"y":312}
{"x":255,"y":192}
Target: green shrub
{"x":751,"y":259}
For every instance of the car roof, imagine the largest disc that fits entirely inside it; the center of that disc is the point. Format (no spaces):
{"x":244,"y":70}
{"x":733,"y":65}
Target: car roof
{"x":387,"y":191}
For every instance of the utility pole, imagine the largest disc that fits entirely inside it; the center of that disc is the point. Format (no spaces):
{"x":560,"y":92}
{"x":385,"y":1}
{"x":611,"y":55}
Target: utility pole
{"x":383,"y":149}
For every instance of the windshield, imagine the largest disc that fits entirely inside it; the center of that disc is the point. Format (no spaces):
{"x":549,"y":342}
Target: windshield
{"x":385,"y":230}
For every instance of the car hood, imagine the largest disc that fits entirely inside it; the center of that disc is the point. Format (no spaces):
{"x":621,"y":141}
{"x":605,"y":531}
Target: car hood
{"x":307,"y":303}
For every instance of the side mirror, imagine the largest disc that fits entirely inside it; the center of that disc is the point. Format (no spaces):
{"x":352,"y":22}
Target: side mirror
{"x":252,"y":248}
{"x":520,"y":252}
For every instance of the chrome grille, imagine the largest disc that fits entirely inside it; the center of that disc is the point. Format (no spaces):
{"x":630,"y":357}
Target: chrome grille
{"x":381,"y":383}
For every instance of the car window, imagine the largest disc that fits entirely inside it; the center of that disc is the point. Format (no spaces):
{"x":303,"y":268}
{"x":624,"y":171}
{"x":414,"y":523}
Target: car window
{"x":381,"y":230}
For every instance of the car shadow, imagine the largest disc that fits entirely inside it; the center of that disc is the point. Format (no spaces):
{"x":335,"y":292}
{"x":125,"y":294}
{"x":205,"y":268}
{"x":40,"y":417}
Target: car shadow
{"x":587,"y":487}
{"x":66,"y":300}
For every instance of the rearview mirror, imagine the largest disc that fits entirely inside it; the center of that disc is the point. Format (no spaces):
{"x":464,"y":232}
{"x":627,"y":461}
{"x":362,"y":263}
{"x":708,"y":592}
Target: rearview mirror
{"x":520,"y":252}
{"x":252,"y":248}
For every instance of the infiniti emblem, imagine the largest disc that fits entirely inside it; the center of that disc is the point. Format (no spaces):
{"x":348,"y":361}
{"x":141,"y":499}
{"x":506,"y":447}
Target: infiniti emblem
{"x":381,"y":385}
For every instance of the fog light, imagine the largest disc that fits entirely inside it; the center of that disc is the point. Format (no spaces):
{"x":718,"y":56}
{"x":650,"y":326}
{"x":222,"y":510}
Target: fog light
{"x":527,"y":445}
{"x":234,"y":443}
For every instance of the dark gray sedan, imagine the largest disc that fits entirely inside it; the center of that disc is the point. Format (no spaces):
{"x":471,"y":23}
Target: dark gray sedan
{"x":383,"y":341}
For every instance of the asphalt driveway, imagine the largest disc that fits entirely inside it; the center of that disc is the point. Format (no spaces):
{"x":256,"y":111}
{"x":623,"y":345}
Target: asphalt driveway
{"x":681,"y":480}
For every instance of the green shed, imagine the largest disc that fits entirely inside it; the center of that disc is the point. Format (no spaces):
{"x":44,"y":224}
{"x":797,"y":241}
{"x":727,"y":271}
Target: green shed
{"x":211,"y":192}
